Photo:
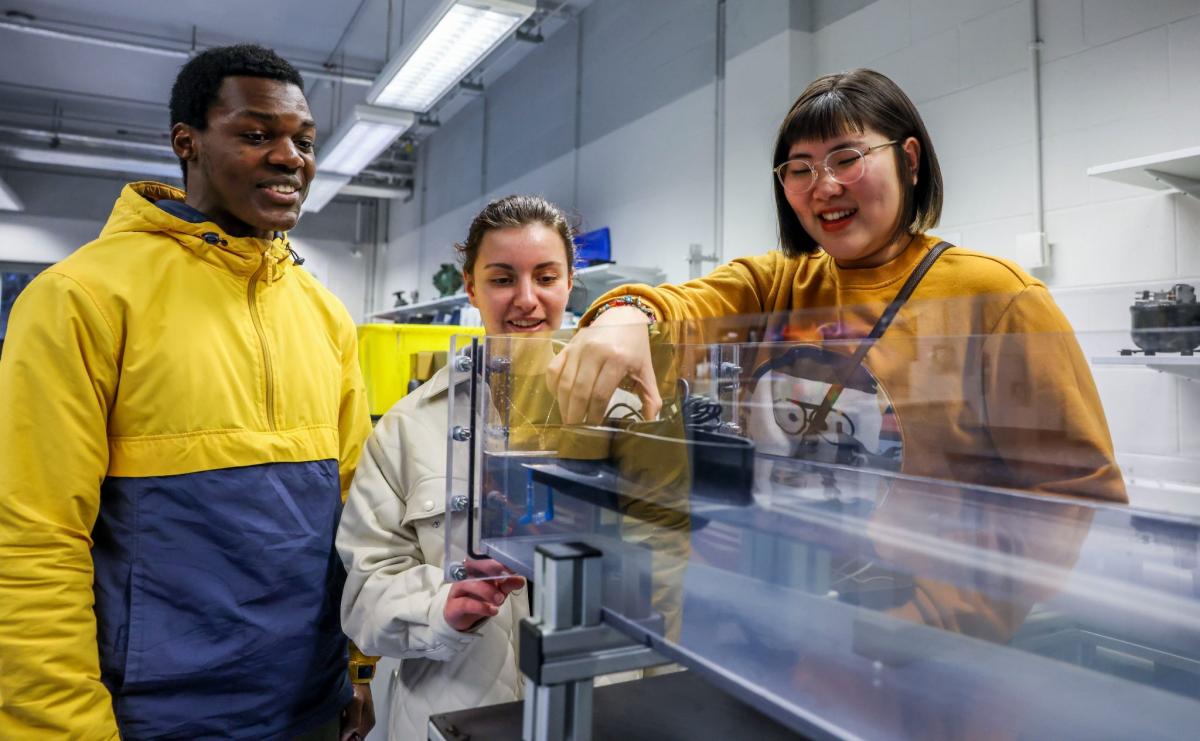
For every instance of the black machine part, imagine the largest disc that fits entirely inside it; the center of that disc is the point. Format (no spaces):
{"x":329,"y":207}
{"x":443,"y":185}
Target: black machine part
{"x":1166,"y":321}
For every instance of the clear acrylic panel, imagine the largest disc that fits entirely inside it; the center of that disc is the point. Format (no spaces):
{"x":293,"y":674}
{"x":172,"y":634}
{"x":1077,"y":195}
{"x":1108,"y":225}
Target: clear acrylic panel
{"x":935,"y":543}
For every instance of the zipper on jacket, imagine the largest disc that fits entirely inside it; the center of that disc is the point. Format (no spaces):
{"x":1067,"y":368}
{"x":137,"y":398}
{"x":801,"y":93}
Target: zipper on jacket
{"x":262,"y":340}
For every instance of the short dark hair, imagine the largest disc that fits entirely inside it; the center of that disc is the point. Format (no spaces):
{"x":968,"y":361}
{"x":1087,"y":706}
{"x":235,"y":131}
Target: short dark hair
{"x":512,"y":212}
{"x":199,"y":80}
{"x":845,"y":102}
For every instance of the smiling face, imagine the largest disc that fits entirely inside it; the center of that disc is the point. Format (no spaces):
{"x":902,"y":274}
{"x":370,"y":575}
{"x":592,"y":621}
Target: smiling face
{"x":520,"y":281}
{"x":855,"y":223}
{"x":249,"y":170}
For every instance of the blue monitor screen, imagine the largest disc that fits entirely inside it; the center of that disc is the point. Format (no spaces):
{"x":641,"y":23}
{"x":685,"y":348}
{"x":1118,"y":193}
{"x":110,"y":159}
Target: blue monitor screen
{"x":593,"y":248}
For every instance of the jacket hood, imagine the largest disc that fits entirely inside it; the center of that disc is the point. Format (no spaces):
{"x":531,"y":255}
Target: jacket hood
{"x":135,"y":211}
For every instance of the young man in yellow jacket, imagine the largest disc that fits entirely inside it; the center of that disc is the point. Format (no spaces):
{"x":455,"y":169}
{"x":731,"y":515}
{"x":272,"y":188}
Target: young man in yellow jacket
{"x":182,"y":412}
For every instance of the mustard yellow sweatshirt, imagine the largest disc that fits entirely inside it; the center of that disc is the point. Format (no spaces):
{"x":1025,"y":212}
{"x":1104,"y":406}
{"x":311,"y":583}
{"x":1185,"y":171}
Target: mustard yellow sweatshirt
{"x":986,"y":382}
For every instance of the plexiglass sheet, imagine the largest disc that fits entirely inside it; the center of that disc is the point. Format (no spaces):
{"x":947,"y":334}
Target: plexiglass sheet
{"x":932,"y":543}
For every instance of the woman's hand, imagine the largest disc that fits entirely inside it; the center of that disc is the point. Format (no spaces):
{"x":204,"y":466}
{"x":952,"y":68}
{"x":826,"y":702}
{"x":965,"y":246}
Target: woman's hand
{"x":476,"y":599}
{"x":598,"y":358}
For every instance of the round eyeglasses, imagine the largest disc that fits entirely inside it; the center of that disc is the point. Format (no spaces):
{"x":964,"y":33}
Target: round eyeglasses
{"x":843,"y":166}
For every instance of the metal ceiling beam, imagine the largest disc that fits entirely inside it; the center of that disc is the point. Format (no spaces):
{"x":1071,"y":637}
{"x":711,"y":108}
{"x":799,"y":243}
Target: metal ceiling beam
{"x":160,"y":50}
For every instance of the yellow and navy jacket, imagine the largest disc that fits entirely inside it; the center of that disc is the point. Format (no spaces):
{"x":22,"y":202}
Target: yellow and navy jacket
{"x":180,"y":415}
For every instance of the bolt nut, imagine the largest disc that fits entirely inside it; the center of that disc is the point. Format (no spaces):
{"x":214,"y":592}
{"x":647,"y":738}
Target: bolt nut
{"x":460,"y":434}
{"x":458,"y":572}
{"x":463,"y":363}
{"x":458,"y":503}
{"x":729,"y":370}
{"x":499,"y":364}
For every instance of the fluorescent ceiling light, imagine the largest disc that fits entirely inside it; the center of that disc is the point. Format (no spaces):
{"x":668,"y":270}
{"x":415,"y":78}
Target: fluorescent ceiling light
{"x":8,"y":199}
{"x":322,"y":189}
{"x":93,"y":161}
{"x":458,"y":34}
{"x":360,"y":139}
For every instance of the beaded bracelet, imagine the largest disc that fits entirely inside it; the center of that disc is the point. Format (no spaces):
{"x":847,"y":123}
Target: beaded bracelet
{"x":633,"y":301}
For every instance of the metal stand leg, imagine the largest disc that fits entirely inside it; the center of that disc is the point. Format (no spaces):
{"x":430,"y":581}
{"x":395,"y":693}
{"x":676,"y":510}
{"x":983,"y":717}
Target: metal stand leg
{"x":567,"y":596}
{"x":563,"y":645}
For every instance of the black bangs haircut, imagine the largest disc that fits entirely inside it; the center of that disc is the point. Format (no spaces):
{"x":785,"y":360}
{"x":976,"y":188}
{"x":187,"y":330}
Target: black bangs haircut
{"x":199,"y":80}
{"x":845,"y":103}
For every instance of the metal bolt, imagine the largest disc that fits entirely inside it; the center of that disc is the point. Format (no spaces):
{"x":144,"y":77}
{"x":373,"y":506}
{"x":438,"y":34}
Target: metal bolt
{"x":460,"y":434}
{"x":463,"y":363}
{"x":458,"y":502}
{"x":458,"y":572}
{"x":495,"y":500}
{"x":729,"y":375}
{"x":499,"y":364}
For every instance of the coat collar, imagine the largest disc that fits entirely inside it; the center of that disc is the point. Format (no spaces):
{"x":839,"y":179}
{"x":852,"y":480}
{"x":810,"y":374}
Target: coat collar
{"x":135,"y":211}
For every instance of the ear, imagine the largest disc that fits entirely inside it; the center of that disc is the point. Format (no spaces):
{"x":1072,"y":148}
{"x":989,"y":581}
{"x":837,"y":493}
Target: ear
{"x":469,"y":282}
{"x":184,"y":142}
{"x":912,"y":153}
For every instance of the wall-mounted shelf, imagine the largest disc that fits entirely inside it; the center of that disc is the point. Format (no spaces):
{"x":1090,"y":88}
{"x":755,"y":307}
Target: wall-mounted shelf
{"x":1187,"y":366}
{"x":1179,"y":170}
{"x":590,"y":284}
{"x":424,"y":308}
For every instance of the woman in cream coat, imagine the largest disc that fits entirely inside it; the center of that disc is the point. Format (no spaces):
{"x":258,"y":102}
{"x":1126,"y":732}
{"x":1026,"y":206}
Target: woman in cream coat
{"x":457,"y":641}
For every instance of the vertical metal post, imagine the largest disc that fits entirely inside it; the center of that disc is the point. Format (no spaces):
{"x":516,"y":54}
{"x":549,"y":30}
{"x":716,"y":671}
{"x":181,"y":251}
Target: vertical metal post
{"x":567,"y":595}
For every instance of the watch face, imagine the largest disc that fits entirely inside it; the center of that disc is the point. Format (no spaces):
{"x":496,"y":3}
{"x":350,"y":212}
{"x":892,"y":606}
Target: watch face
{"x":364,"y":672}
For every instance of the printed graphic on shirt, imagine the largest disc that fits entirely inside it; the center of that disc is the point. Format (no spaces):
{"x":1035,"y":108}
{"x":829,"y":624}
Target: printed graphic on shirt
{"x":795,"y":416}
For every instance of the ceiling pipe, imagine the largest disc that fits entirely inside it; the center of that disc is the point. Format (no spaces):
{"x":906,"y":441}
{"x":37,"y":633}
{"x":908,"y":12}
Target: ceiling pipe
{"x":160,"y":50}
{"x":42,"y":155}
{"x":88,"y":140}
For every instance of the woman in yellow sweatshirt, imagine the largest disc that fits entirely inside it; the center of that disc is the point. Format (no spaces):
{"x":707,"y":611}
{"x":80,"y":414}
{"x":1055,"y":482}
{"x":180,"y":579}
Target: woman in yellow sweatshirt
{"x":979,"y":378}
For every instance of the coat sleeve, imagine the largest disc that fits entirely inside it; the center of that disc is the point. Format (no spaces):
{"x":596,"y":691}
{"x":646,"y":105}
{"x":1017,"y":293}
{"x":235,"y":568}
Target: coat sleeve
{"x":394,"y":599}
{"x":354,"y":418}
{"x":58,"y":379}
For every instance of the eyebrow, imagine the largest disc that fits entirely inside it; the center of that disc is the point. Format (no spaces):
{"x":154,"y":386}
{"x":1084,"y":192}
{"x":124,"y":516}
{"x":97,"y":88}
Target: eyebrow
{"x":268,"y":117}
{"x":839,"y":145}
{"x":539,"y":266}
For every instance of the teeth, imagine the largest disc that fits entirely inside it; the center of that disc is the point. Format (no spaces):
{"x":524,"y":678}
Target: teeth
{"x":282,"y":188}
{"x":835,"y":215}
{"x":525,"y":323}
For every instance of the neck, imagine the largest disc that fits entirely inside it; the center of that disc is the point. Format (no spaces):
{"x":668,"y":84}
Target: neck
{"x":880,"y":257}
{"x":231,"y":225}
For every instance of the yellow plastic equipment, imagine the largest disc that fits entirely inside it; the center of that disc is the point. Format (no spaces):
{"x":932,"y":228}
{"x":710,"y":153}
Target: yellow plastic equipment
{"x":385,"y":352}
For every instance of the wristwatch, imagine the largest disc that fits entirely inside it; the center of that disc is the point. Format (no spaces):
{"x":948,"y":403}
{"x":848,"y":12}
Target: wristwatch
{"x":361,"y":672}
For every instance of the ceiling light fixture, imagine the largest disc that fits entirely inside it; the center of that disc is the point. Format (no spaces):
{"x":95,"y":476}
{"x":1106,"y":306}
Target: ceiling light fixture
{"x":8,"y":198}
{"x":93,"y":161}
{"x":457,"y":35}
{"x":322,"y":189}
{"x":362,"y":137}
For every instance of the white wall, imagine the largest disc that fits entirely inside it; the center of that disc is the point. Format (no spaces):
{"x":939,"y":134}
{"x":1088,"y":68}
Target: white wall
{"x":42,"y":239}
{"x":1119,"y":80}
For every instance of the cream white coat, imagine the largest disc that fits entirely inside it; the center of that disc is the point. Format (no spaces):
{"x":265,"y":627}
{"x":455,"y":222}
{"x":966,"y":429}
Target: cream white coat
{"x":392,"y":541}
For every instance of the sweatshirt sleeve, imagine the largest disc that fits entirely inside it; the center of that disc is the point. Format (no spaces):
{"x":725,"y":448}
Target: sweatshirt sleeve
{"x":1042,"y":408}
{"x":393,"y":600}
{"x":747,"y":285}
{"x":58,"y":379}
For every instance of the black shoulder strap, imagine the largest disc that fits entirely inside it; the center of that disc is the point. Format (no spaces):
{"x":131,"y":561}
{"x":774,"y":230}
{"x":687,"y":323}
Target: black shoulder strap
{"x":817,"y":421}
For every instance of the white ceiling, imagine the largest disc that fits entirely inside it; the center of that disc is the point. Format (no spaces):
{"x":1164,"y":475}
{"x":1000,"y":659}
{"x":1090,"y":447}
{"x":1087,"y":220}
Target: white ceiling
{"x":72,"y":86}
